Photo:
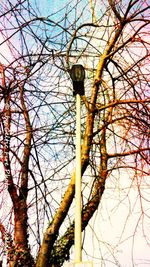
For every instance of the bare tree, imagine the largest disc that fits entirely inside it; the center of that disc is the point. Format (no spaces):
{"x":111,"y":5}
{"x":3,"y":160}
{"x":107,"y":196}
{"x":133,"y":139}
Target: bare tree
{"x":37,"y":137}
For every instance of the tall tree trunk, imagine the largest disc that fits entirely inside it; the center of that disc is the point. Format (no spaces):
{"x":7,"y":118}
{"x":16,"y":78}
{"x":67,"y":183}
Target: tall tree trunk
{"x":22,"y":256}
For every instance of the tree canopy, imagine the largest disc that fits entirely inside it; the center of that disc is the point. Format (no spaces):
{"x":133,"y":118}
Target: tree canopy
{"x":39,"y":44}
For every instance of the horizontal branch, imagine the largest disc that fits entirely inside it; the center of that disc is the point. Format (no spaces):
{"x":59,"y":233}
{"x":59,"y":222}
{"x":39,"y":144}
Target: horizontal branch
{"x":100,"y":107}
{"x":120,"y":102}
{"x":128,"y":153}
